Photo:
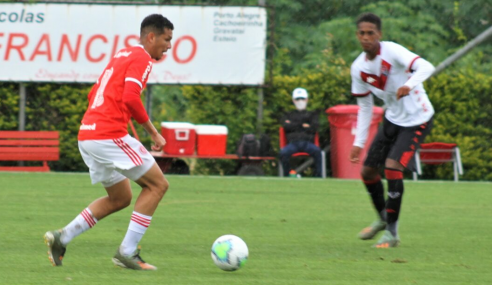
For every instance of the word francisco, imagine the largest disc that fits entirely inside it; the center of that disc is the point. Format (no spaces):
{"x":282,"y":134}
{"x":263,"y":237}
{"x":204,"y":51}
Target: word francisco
{"x":94,"y":48}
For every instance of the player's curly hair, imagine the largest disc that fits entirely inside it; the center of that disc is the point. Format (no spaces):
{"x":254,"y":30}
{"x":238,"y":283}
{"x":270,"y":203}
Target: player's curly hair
{"x":155,"y":23}
{"x":369,"y":18}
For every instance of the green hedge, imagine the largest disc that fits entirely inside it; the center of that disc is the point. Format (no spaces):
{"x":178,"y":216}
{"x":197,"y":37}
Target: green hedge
{"x":9,"y":106}
{"x":49,"y":107}
{"x":463,"y":104}
{"x":461,"y":99}
{"x":236,"y":107}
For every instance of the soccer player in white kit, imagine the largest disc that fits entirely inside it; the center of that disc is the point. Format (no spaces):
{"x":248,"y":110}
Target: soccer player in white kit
{"x":112,"y":155}
{"x":394,"y":74}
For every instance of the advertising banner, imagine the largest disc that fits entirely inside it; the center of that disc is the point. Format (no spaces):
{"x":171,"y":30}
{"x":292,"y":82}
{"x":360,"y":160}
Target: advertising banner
{"x":74,"y":42}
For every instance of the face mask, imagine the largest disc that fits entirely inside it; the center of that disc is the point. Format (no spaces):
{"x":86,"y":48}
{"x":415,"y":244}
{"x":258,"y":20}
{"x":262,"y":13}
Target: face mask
{"x":301,"y":104}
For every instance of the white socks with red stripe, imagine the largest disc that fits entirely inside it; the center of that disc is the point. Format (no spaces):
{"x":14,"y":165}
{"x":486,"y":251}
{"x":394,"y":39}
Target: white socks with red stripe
{"x":138,"y":225}
{"x":80,"y":224}
{"x":85,"y":220}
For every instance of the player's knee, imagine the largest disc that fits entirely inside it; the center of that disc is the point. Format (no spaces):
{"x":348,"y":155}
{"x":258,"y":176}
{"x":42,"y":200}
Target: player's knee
{"x":160,"y":187}
{"x":364,"y":176}
{"x":165,"y":186}
{"x":126,"y":202}
{"x":368,"y":173}
{"x":121,"y":202}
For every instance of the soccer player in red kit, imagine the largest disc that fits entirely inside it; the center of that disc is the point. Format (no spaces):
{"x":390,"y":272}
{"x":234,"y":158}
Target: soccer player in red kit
{"x":395,"y":75}
{"x":112,"y":155}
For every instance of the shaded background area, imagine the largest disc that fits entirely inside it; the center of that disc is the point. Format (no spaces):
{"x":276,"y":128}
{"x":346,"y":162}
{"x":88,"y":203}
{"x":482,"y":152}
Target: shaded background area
{"x":312,"y":46}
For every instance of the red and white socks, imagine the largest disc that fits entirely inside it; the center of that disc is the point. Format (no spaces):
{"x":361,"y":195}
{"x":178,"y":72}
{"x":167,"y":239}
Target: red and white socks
{"x":84,"y":221}
{"x":138,"y":225}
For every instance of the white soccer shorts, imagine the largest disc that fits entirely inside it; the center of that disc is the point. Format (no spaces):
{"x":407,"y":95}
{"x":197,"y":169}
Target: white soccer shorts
{"x":111,"y":161}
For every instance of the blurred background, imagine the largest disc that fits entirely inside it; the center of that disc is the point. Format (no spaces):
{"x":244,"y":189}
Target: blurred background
{"x":310,"y":44}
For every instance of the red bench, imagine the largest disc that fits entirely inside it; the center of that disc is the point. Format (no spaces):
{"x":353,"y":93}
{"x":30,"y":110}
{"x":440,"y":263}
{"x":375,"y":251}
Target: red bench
{"x":438,"y":153}
{"x":29,"y":146}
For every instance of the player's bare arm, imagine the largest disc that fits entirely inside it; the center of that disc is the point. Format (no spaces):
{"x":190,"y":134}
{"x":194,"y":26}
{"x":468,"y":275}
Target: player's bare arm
{"x":159,"y":141}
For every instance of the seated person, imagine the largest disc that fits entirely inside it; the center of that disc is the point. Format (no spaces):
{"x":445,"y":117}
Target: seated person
{"x":300,"y":128}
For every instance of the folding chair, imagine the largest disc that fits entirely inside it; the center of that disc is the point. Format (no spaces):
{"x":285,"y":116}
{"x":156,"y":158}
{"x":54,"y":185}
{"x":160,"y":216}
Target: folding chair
{"x":438,"y":153}
{"x":283,"y":143}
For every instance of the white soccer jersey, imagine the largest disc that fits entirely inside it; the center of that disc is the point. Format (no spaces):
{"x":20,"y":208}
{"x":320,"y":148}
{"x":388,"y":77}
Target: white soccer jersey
{"x":389,"y":70}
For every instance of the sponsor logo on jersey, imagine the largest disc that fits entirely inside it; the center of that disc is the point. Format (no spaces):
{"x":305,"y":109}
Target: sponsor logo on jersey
{"x":384,"y":70}
{"x":147,"y":71}
{"x":123,"y":54}
{"x":370,"y":80}
{"x":88,"y":127}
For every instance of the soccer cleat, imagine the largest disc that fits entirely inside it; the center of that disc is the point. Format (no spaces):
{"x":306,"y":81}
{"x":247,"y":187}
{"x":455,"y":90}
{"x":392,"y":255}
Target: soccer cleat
{"x":371,"y":231}
{"x":56,"y":250}
{"x":132,"y":262}
{"x":387,"y":240}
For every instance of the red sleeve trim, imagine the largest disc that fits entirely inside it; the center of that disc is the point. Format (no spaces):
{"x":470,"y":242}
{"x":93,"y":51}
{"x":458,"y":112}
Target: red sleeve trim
{"x":411,"y":63}
{"x":361,"y":94}
{"x":131,"y":98}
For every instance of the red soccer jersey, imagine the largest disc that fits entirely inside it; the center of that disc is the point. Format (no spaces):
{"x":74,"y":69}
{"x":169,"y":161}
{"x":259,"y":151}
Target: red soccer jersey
{"x":107,"y":116}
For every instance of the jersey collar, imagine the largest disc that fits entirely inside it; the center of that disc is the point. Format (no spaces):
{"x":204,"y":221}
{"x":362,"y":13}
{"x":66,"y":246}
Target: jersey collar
{"x":379,"y":51}
{"x":141,"y":46}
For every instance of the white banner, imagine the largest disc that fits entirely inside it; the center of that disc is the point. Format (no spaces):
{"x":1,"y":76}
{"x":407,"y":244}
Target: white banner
{"x":74,"y":42}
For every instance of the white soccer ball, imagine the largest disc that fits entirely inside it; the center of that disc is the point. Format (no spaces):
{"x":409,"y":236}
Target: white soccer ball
{"x":229,"y":252}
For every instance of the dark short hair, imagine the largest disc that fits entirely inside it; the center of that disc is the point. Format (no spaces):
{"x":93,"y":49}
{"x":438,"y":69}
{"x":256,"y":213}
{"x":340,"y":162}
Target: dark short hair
{"x":369,"y":18}
{"x":155,"y":23}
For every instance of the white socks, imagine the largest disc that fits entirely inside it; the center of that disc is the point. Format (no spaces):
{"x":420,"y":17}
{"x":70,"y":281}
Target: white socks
{"x":85,"y":220}
{"x":80,"y":224}
{"x":138,"y":225}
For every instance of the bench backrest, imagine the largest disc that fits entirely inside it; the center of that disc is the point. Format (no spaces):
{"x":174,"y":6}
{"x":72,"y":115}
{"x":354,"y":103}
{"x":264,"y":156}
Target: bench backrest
{"x":437,"y":152}
{"x":29,"y":145}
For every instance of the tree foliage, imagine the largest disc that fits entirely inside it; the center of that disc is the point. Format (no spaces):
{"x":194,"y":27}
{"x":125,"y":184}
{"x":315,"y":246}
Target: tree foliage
{"x":462,"y":102}
{"x":313,"y":44}
{"x":9,"y":106}
{"x":236,"y":107}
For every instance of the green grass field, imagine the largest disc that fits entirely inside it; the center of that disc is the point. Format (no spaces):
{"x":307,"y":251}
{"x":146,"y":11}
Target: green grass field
{"x":299,"y":231}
